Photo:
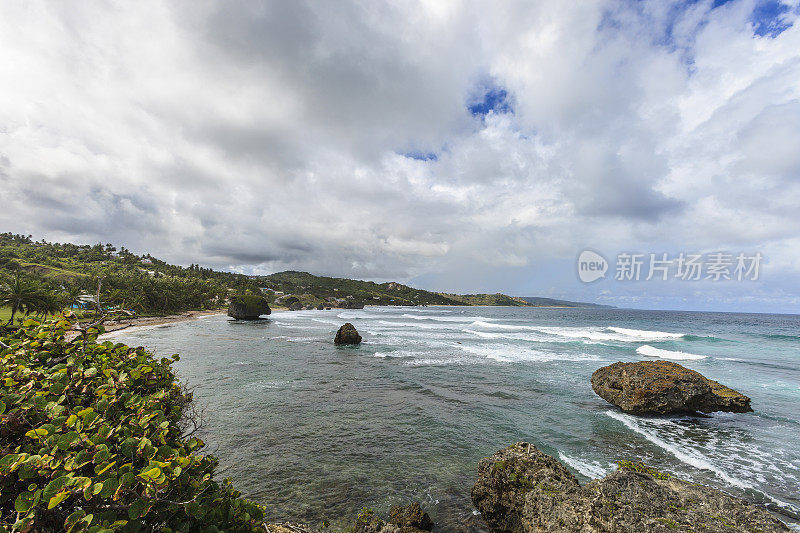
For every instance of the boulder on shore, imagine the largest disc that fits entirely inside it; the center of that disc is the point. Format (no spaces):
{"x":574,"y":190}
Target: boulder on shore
{"x":248,"y":307}
{"x":296,"y":306}
{"x":662,"y":387}
{"x":520,"y":489}
{"x":347,"y":334}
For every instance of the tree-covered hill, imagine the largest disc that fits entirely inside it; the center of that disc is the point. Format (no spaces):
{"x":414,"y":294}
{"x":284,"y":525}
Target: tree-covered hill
{"x":367,"y":292}
{"x":44,"y":277}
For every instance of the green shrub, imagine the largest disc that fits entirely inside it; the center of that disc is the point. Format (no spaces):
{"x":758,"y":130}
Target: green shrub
{"x":252,"y":305}
{"x":642,"y":469}
{"x":91,"y":439}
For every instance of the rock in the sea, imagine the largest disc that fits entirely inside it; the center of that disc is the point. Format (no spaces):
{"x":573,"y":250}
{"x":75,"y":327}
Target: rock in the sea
{"x":296,"y":306}
{"x":288,"y":527}
{"x":411,"y":517}
{"x":320,"y":307}
{"x":347,"y":334}
{"x":521,"y":489}
{"x":408,"y":519}
{"x":248,"y":307}
{"x":661,"y":387}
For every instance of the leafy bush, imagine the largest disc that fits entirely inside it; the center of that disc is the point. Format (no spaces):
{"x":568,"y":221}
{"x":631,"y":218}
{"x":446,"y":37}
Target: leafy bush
{"x":92,"y":439}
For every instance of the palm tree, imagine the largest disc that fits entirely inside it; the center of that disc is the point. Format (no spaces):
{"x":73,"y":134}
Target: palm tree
{"x":71,"y":297}
{"x":49,"y":303}
{"x":21,"y":295}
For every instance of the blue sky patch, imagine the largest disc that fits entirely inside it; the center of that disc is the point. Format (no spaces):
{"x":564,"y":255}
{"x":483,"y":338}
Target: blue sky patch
{"x":492,"y":97}
{"x":769,"y":18}
{"x":421,"y":156}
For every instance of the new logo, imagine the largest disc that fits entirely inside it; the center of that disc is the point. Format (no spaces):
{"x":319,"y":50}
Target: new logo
{"x":591,"y":266}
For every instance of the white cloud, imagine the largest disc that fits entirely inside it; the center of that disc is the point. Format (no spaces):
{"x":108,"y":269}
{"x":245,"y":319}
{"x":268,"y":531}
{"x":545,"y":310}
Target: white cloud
{"x":264,"y":136}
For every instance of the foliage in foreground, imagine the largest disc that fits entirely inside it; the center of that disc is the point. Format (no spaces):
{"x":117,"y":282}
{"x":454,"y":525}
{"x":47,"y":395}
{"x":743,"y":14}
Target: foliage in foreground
{"x":92,"y":438}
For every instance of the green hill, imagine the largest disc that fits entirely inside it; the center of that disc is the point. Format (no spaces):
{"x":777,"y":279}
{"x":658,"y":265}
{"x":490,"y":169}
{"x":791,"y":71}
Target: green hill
{"x":361,"y":292}
{"x":537,"y":301}
{"x":149,"y":285}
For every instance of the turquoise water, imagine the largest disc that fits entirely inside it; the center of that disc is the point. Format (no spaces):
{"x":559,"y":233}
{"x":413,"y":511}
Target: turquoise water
{"x":316,"y":431}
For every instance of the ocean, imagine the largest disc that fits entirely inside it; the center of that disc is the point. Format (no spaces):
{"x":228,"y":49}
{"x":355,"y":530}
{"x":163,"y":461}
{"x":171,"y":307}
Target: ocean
{"x":315,"y":431}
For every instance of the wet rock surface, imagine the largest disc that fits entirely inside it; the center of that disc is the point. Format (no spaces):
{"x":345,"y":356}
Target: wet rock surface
{"x":402,"y":519}
{"x":521,"y":489}
{"x":347,"y":334}
{"x":663,"y":387}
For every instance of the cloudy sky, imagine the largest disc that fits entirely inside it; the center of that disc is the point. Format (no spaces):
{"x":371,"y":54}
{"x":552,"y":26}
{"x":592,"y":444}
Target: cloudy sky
{"x":455,"y":145}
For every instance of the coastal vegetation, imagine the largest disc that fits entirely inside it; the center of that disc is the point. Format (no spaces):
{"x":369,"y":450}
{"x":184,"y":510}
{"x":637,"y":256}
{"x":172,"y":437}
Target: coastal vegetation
{"x":100,"y":437}
{"x":43,"y":278}
{"x":248,"y":306}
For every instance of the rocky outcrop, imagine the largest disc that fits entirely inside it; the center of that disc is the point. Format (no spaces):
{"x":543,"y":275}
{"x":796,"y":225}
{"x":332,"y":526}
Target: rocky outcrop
{"x":296,"y":306}
{"x":350,"y":304}
{"x":408,"y":519}
{"x":248,"y":307}
{"x":521,"y":489}
{"x":662,"y":387}
{"x":347,"y":334}
{"x":288,"y":527}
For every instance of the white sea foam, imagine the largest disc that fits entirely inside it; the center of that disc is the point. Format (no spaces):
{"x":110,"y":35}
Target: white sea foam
{"x":591,"y":334}
{"x":647,"y":334}
{"x":592,"y":470}
{"x":484,"y":324}
{"x":509,"y":353}
{"x":650,"y":351}
{"x":417,"y":325}
{"x":686,"y":454}
{"x":446,"y":318}
{"x":399,"y":353}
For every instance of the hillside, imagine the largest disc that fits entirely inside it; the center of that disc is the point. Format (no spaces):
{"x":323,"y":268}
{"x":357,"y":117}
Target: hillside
{"x":487,"y":299}
{"x":537,"y":301}
{"x":148,"y":285}
{"x":324,"y":288}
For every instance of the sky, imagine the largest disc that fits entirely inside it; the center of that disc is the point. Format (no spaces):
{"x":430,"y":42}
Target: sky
{"x":463,"y":146}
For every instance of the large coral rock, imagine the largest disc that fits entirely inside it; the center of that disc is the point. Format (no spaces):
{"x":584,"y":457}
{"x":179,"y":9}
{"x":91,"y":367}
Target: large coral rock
{"x":521,"y":489}
{"x":661,"y":387}
{"x":347,"y":334}
{"x":248,"y":307}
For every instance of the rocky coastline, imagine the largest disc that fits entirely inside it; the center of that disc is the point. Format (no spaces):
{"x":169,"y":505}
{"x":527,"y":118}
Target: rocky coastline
{"x":521,"y":489}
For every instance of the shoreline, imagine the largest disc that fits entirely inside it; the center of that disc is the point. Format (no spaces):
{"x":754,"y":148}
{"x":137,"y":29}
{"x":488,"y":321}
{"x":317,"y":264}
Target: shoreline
{"x":148,"y":321}
{"x":113,"y":326}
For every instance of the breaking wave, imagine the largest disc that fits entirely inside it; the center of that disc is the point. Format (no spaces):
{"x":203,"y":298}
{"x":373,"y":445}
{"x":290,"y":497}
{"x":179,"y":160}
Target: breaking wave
{"x":650,"y":351}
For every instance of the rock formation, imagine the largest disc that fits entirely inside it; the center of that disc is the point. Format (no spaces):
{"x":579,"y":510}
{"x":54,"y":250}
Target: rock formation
{"x":409,"y":519}
{"x":248,"y":307}
{"x":661,"y":387}
{"x":347,"y":334}
{"x":521,"y":489}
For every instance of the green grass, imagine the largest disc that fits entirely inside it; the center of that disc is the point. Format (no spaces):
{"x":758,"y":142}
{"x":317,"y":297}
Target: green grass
{"x":5,"y":314}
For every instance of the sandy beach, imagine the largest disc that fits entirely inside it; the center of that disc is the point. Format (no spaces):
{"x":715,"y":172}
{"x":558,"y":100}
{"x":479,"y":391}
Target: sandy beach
{"x":116,"y":325}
